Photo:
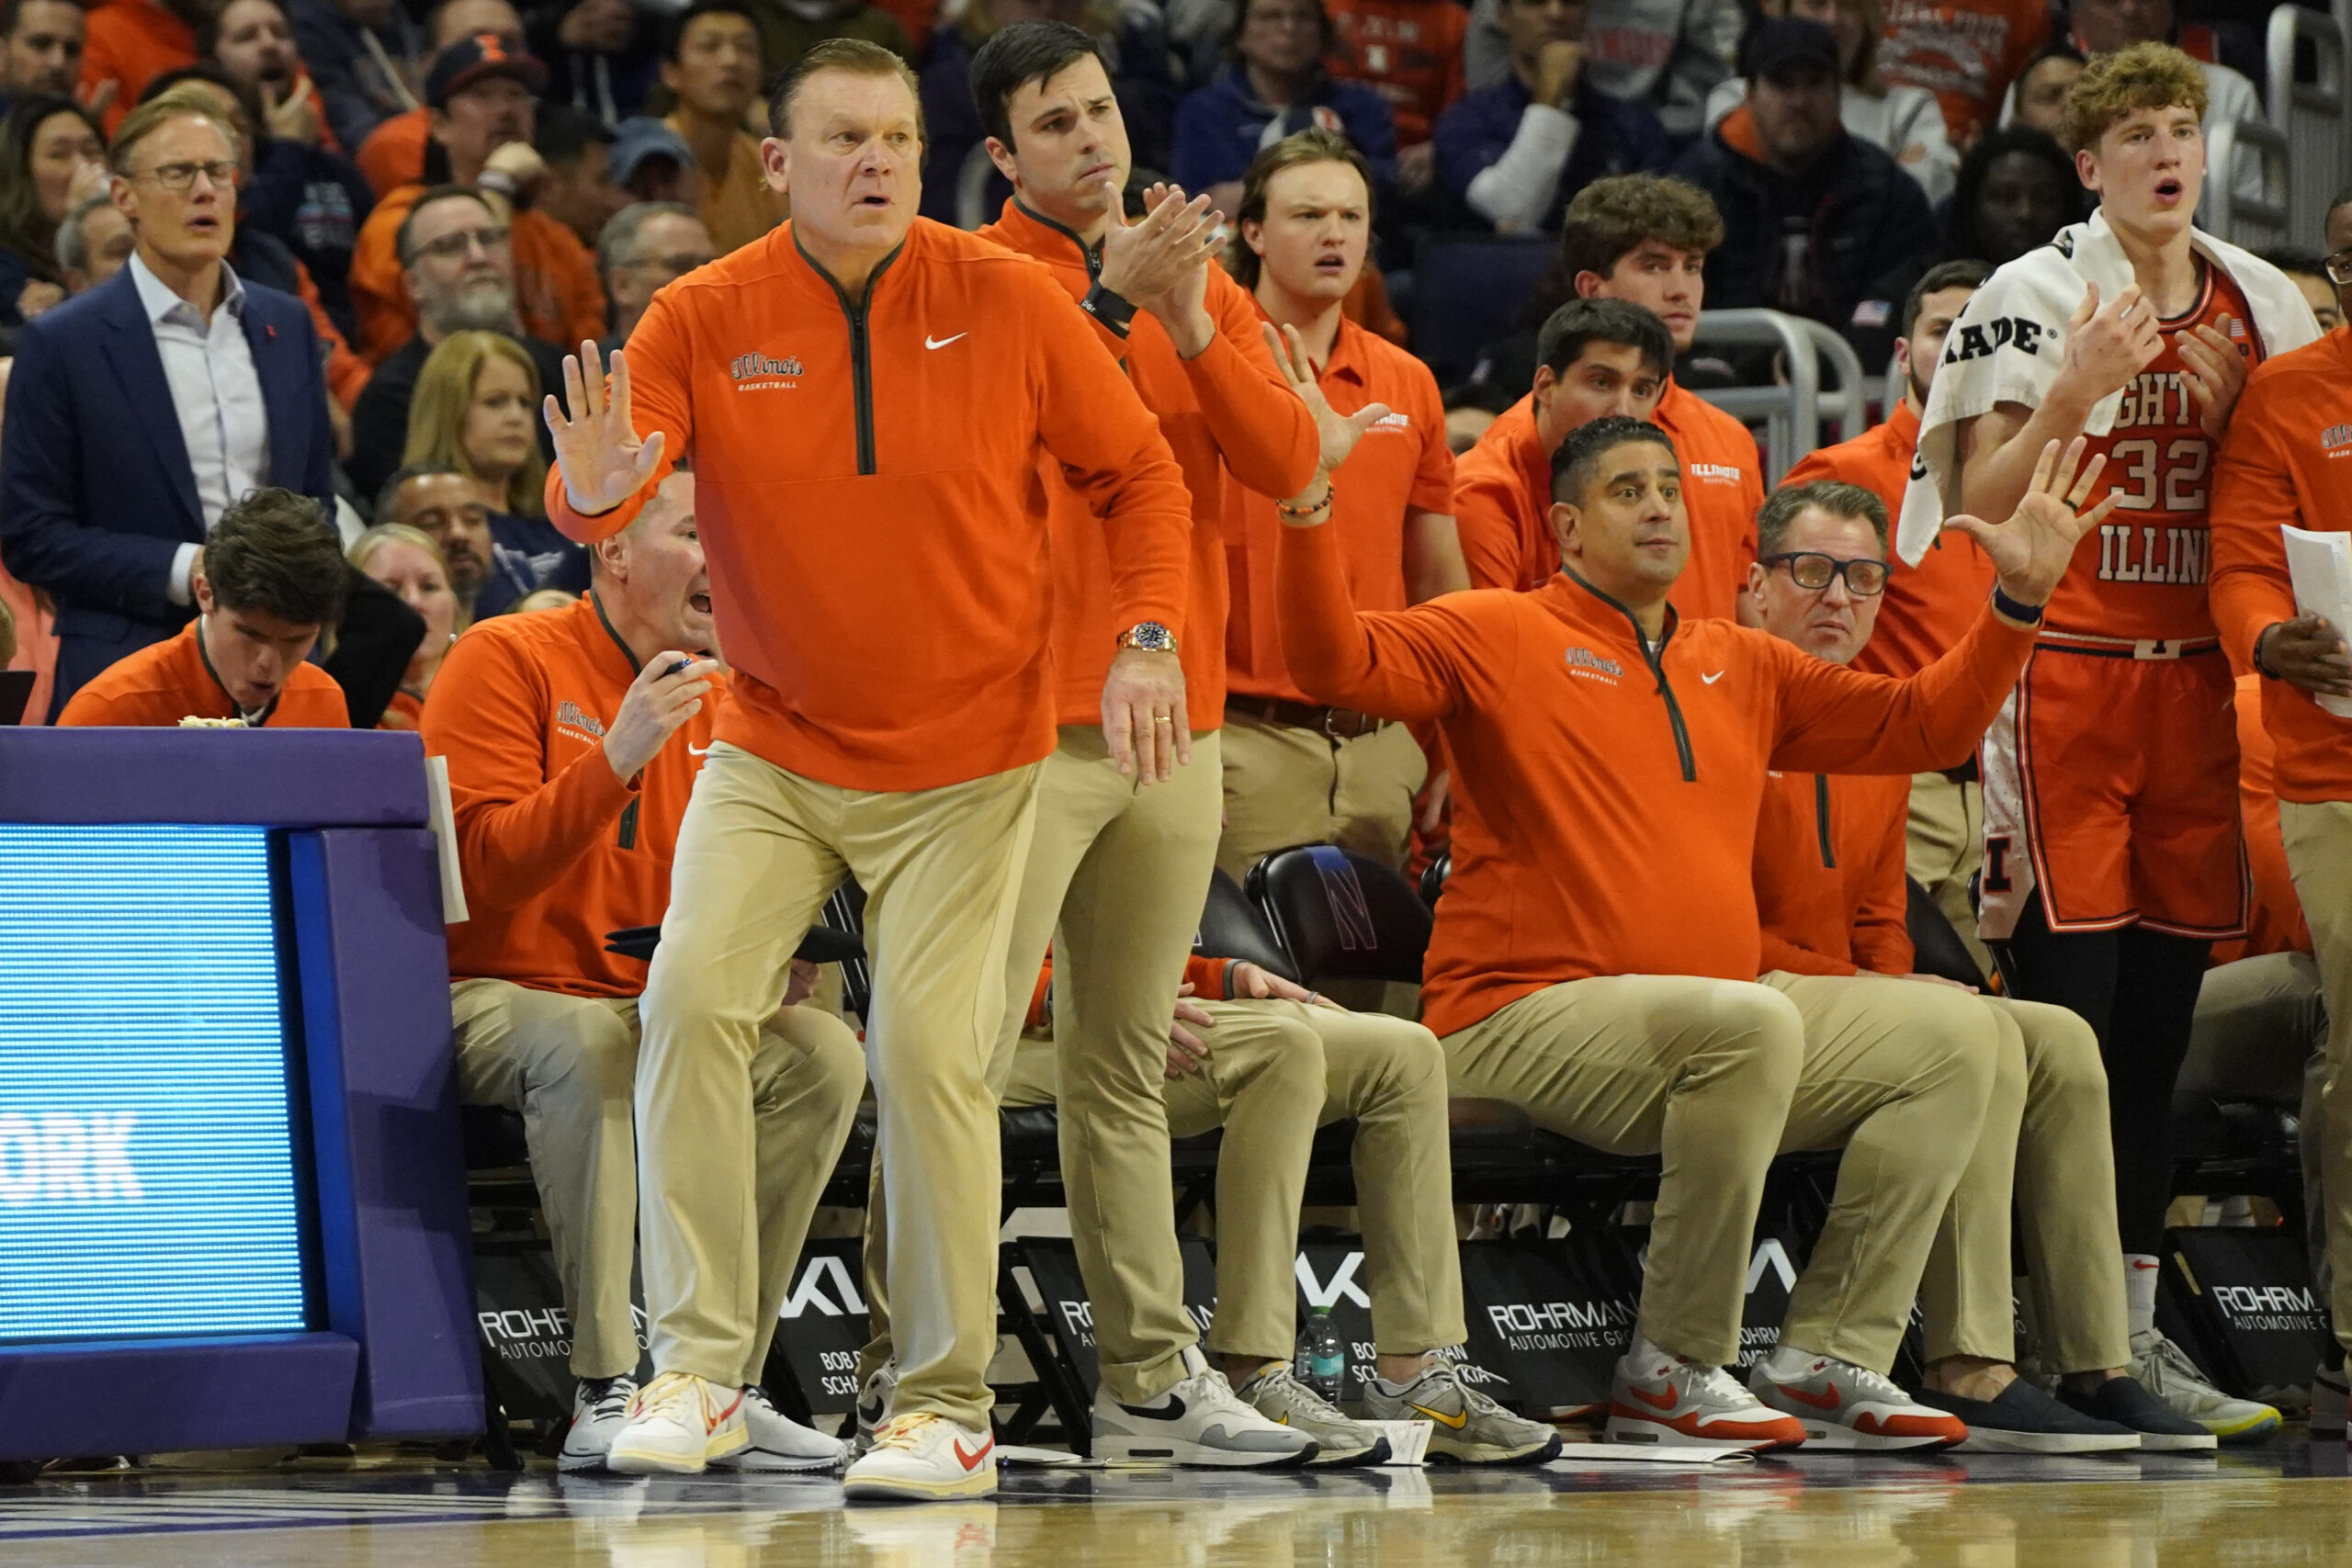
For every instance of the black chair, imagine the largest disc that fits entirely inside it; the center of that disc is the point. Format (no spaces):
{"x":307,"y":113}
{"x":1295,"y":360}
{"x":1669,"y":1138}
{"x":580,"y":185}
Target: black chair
{"x":1231,"y":926}
{"x":1936,"y":948}
{"x":1469,"y":291}
{"x":1433,"y":878}
{"x":1342,"y":915}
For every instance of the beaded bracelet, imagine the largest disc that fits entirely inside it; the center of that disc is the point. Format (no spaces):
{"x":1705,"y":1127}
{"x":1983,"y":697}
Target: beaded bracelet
{"x":1287,"y":510}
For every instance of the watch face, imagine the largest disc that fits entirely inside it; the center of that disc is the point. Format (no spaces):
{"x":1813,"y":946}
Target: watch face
{"x":1152,"y":637}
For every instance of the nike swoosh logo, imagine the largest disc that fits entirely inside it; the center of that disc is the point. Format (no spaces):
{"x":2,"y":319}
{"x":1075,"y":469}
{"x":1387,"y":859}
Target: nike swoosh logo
{"x":1711,"y":679}
{"x":930,"y":341}
{"x":1828,"y":1399}
{"x":694,"y":751}
{"x":1454,"y":1423}
{"x":1175,"y":1410}
{"x":973,"y":1461}
{"x":737,"y":1403}
{"x":1655,"y":1401}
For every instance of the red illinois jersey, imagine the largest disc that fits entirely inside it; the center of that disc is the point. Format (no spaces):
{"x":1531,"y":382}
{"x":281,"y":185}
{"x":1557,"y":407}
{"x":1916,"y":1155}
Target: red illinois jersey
{"x":2144,"y":576}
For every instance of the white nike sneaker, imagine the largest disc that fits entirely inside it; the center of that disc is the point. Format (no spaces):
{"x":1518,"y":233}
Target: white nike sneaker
{"x":2164,"y":1370}
{"x":599,"y":1409}
{"x":1842,"y":1405}
{"x":778,"y":1442}
{"x":1198,"y":1422}
{"x":873,"y":1402}
{"x":921,"y":1457}
{"x":676,"y":1425}
{"x":1672,"y":1400}
{"x":1339,"y":1442}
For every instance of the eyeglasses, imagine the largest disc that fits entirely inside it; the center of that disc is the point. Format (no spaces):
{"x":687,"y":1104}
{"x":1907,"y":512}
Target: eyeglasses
{"x":2339,"y":268}
{"x":675,"y":265}
{"x":181,"y":177}
{"x":449,"y":247}
{"x":1812,"y":573}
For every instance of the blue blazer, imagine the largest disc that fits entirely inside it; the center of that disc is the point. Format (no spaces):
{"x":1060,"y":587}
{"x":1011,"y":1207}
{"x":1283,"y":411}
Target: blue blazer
{"x":96,"y":493}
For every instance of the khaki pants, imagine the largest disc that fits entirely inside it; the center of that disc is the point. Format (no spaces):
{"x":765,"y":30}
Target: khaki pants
{"x":568,"y":1066}
{"x":759,"y":853}
{"x":1944,"y":844}
{"x":1718,"y":1077}
{"x":1115,"y":880}
{"x":2044,"y":1142}
{"x":2319,"y":853}
{"x":1285,"y":786}
{"x":1277,"y":1071}
{"x":2261,"y":1033}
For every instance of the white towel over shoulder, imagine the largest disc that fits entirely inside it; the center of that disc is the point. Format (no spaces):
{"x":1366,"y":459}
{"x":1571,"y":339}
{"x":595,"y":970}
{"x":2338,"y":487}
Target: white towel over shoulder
{"x":2011,"y":343}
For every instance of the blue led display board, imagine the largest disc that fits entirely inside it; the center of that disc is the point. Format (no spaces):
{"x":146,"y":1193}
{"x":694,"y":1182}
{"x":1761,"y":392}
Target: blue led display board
{"x":147,"y":1149}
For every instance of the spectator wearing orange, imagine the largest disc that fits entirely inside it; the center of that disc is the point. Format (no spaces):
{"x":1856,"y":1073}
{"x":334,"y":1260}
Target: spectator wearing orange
{"x":1927,"y":608}
{"x":41,"y":48}
{"x":268,"y":583}
{"x":1594,"y":358}
{"x":130,"y":43}
{"x":1830,"y":894}
{"x":1411,"y":52}
{"x":574,"y":739}
{"x":713,"y":66}
{"x":408,"y":563}
{"x":1645,"y":238}
{"x":477,"y":410}
{"x":1596,"y":953}
{"x":1296,"y":770}
{"x":1966,"y":51}
{"x":480,"y":92}
{"x":56,"y":158}
{"x":393,"y":153}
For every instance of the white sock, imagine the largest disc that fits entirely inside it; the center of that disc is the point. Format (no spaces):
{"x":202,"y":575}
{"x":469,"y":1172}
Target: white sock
{"x":2140,"y":1291}
{"x":1787,"y":1363}
{"x":1643,"y":1348}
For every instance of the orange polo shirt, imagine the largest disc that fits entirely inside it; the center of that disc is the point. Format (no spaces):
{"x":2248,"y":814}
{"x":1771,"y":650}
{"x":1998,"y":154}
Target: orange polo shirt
{"x":1604,"y":805}
{"x":558,"y":297}
{"x":1723,"y":489}
{"x":1401,"y":465}
{"x":1226,"y":409}
{"x":2285,"y":460}
{"x":1926,"y":607}
{"x":1502,"y":493}
{"x":1829,"y":878}
{"x":130,"y":43}
{"x":555,"y":849}
{"x":166,"y":681}
{"x":866,"y":482}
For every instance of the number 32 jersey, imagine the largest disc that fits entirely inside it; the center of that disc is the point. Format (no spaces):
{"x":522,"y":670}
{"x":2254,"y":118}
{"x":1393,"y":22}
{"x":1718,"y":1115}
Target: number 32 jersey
{"x":2143,"y":575}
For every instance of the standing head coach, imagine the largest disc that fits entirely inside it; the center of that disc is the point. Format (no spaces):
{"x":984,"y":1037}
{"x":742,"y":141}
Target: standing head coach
{"x":142,"y":409}
{"x":865,"y":399}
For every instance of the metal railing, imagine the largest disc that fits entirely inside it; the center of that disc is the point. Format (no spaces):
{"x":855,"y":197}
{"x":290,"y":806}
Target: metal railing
{"x":2313,"y":117}
{"x":1793,"y":409}
{"x":2256,"y":224}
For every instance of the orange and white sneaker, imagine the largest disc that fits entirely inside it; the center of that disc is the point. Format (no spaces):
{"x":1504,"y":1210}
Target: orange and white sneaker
{"x":1656,"y":1396}
{"x":919,"y":1456}
{"x":677,"y":1425}
{"x":1842,"y":1405}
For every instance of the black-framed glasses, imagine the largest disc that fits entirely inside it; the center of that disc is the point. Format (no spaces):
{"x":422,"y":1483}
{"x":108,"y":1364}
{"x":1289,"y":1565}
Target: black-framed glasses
{"x":449,"y":247}
{"x":2339,"y":268}
{"x":1814,"y":571}
{"x":222,"y":172}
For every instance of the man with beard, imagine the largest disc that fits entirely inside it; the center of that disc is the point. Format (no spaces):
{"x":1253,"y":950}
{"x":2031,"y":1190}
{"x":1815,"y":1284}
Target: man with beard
{"x":41,"y":48}
{"x":442,"y":503}
{"x":458,"y":263}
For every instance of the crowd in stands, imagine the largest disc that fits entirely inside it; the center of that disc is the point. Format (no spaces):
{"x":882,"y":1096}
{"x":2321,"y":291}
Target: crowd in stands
{"x":309,"y":308}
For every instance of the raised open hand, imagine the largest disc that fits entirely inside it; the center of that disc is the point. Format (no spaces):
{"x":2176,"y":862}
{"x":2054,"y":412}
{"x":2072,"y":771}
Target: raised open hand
{"x":1337,"y":433}
{"x":597,"y":450}
{"x":2030,"y":550}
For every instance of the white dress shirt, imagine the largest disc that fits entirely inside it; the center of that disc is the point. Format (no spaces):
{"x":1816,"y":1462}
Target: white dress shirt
{"x":215,"y":391}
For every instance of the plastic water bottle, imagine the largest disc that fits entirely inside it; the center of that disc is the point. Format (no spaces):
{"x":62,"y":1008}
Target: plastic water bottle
{"x":1321,"y":1362}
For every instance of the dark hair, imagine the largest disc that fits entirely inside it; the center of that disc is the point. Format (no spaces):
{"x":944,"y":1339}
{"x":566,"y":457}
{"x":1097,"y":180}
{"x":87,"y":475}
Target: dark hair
{"x":2311,"y":263}
{"x":388,"y":494}
{"x":560,"y":133}
{"x":1994,"y":145}
{"x":207,"y":31}
{"x":1015,"y":56}
{"x":1242,"y":20}
{"x":1784,"y":505}
{"x":853,"y":55}
{"x":25,"y":228}
{"x":12,"y":12}
{"x":674,"y":38}
{"x":273,"y":551}
{"x":2343,"y":199}
{"x":1965,"y":272}
{"x":1577,"y":460}
{"x":1581,"y":321}
{"x":1290,"y":153}
{"x":437,"y":194}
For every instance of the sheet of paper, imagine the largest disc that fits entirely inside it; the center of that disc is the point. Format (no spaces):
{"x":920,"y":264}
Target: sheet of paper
{"x":2321,"y":567}
{"x":1408,"y":1441}
{"x":442,"y":818}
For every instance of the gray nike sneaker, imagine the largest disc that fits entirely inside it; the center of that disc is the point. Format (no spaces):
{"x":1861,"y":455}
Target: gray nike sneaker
{"x":2164,"y":1370}
{"x":1198,"y":1422}
{"x":873,"y":1402}
{"x":1465,"y":1425}
{"x":1339,"y":1442}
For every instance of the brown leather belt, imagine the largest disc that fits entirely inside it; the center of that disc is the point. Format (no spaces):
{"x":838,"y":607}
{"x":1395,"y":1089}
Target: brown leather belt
{"x":1339,"y":724}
